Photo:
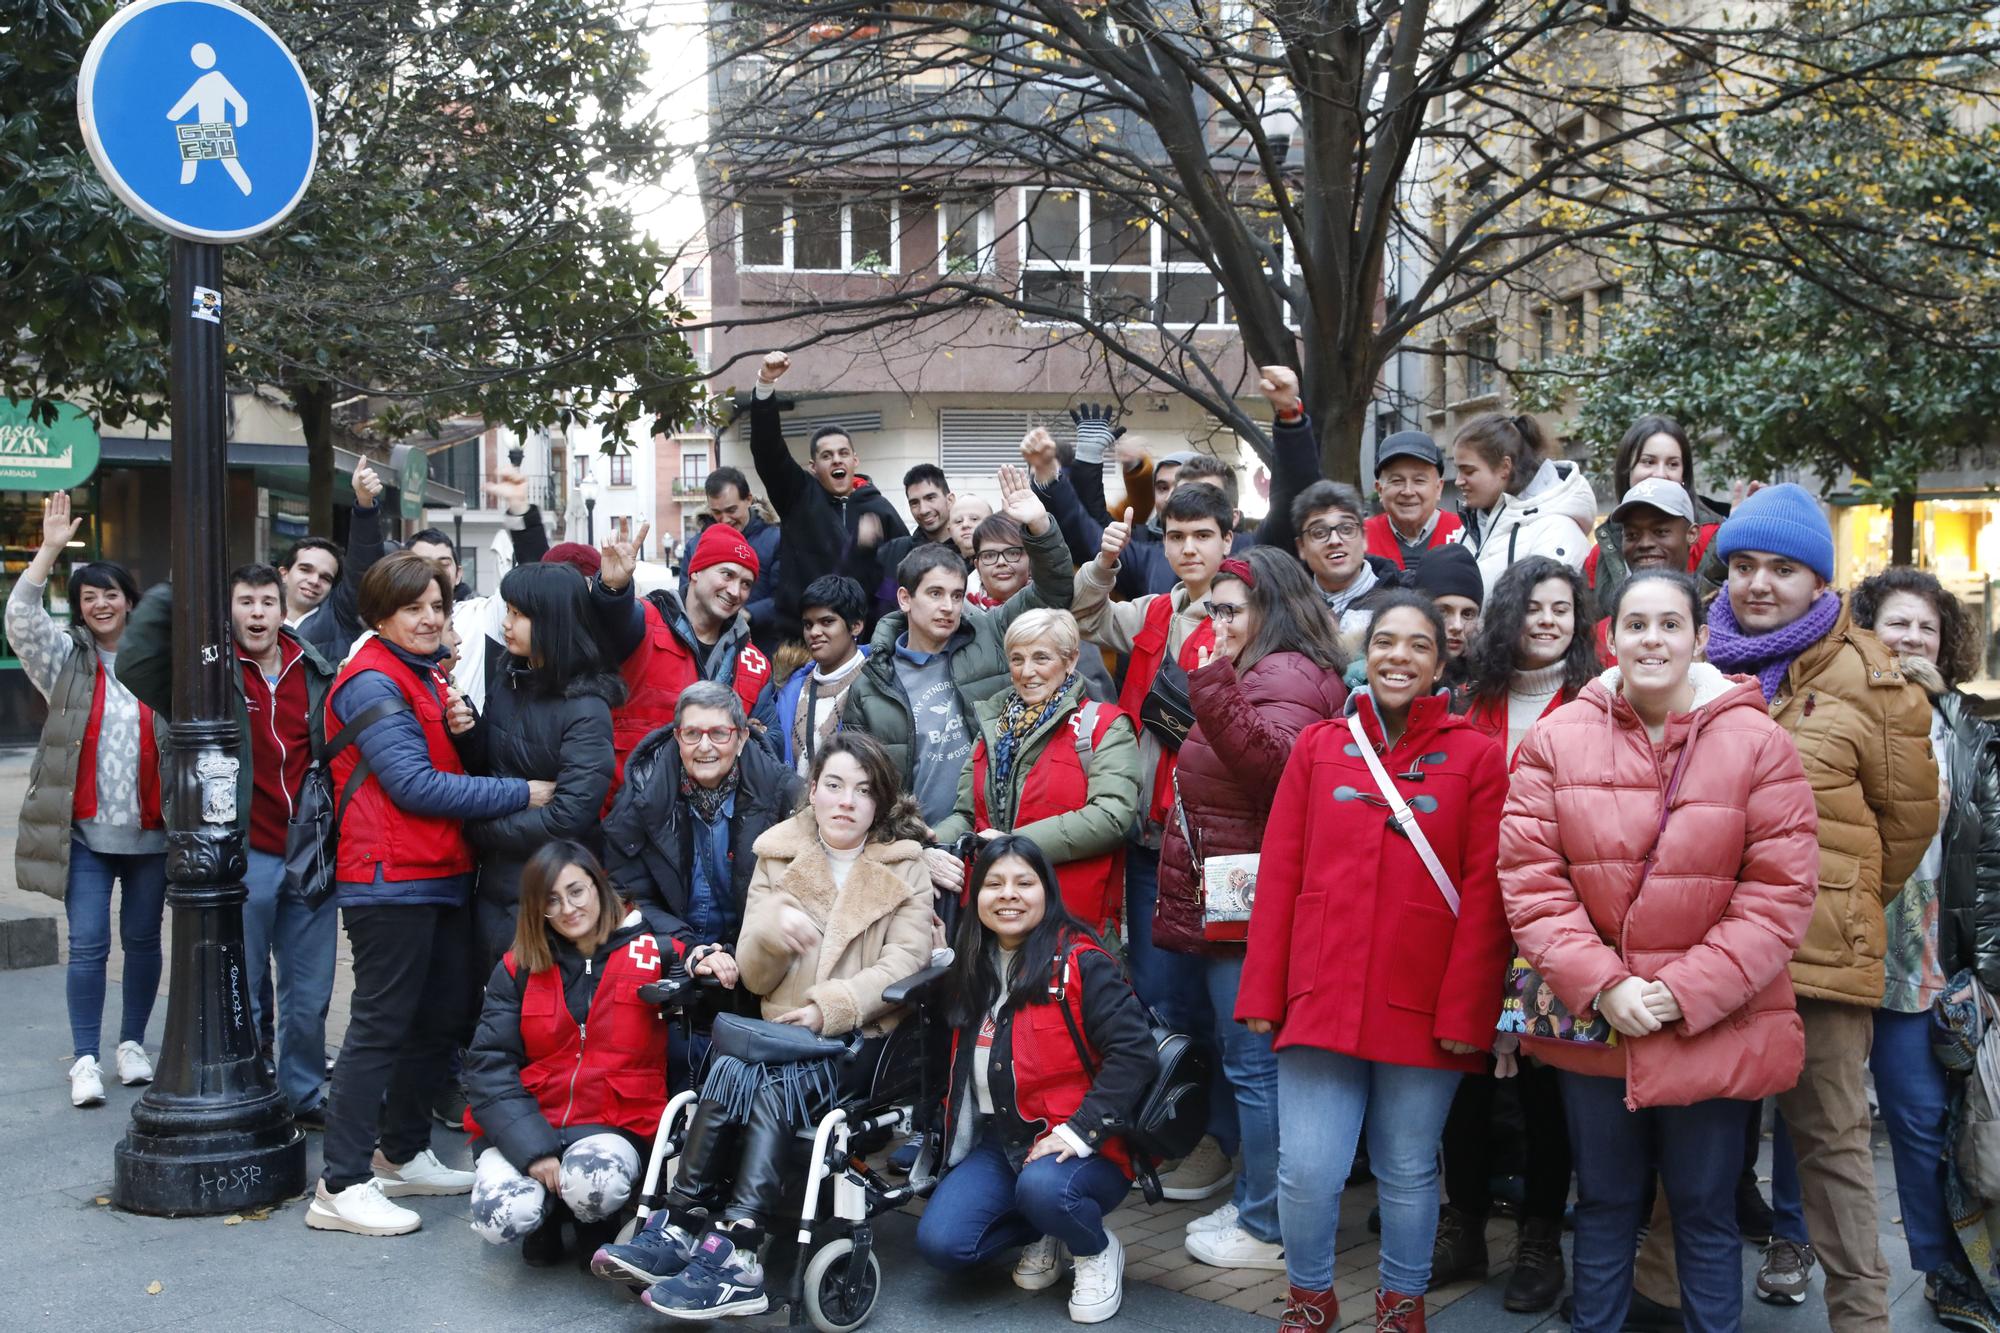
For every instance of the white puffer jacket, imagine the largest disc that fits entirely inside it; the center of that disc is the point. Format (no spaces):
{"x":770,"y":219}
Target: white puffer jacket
{"x":1553,"y":517}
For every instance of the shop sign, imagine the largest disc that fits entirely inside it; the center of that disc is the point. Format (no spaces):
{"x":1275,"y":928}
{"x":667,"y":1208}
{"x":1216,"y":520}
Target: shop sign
{"x":45,"y":456}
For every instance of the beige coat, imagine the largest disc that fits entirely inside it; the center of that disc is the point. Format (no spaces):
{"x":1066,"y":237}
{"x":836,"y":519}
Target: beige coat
{"x":874,"y":930}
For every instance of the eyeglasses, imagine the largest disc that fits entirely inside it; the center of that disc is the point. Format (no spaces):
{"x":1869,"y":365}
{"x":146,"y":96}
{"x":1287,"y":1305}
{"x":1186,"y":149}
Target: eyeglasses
{"x":1319,"y":532}
{"x":716,"y":736}
{"x":1226,"y":612}
{"x":560,"y":901}
{"x":1003,"y":555}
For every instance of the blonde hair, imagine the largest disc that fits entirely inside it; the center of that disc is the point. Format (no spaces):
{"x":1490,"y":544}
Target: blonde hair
{"x":1039,"y":625}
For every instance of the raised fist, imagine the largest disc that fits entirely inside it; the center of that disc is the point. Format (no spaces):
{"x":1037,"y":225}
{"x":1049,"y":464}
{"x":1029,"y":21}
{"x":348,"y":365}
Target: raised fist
{"x":1280,"y":387}
{"x":774,"y":367}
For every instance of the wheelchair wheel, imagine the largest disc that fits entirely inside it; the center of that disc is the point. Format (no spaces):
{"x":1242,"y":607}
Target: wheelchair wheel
{"x":825,"y":1285}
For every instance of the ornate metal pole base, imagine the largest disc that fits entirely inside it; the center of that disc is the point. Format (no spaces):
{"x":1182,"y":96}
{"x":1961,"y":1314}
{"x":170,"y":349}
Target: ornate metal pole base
{"x":211,"y":1135}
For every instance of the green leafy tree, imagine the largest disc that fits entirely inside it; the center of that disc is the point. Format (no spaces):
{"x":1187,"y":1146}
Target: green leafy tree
{"x":466,"y":247}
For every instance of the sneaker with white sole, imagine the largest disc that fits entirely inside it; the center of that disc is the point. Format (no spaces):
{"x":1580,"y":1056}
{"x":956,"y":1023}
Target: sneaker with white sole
{"x":361,"y":1209}
{"x":1224,"y":1216}
{"x":1233,"y":1247}
{"x":1099,"y":1288}
{"x":1202,"y":1174}
{"x":133,"y":1066}
{"x":86,"y":1082}
{"x":1041,"y":1265}
{"x":422,"y":1174}
{"x":719,"y":1280}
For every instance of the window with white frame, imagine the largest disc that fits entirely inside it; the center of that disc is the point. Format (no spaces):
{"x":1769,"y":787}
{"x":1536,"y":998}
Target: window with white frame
{"x":1102,"y":257}
{"x":965,"y":235}
{"x":694,"y":470}
{"x":620,"y":466}
{"x":1482,"y":362}
{"x":809,"y":234}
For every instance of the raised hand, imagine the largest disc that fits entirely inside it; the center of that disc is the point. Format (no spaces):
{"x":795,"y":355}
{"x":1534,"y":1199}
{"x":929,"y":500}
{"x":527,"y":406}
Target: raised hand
{"x":1096,"y":426}
{"x":868,"y":531}
{"x":58,"y":528}
{"x":1038,"y":451}
{"x":1280,"y":387}
{"x":1116,"y":535}
{"x":774,"y":367}
{"x":1019,"y":502}
{"x":617,"y":560}
{"x":367,"y":487}
{"x":509,"y":488}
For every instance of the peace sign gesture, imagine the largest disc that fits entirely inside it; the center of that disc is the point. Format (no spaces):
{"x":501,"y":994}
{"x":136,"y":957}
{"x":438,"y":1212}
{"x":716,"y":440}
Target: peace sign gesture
{"x":617,"y":560}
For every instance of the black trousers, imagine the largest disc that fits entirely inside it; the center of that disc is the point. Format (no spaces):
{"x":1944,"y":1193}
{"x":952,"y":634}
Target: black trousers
{"x":1470,"y":1144}
{"x":411,"y":969}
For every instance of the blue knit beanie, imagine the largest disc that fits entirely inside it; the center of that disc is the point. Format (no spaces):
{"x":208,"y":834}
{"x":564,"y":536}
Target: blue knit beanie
{"x":1781,"y":520}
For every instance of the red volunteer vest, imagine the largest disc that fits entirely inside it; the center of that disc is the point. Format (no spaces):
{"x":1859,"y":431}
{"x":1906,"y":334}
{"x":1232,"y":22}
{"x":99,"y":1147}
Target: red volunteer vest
{"x":1490,"y":717}
{"x":1056,"y":784}
{"x":375,"y":830}
{"x":656,"y":673}
{"x":1382,"y":537}
{"x":1149,"y":650}
{"x":614,"y":1075}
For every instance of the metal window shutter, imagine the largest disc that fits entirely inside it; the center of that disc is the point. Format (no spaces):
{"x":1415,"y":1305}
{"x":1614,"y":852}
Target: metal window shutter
{"x":801,"y":427}
{"x":973,"y":444}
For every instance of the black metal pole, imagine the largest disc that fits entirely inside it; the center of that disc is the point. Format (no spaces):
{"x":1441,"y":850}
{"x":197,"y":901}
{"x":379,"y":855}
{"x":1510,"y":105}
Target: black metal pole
{"x":211,"y":1135}
{"x":590,"y":519}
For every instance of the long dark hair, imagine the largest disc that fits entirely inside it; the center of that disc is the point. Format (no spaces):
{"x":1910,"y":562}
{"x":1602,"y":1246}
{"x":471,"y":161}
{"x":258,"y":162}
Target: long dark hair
{"x":896,"y":813}
{"x":974,"y":982}
{"x":1291,"y":618}
{"x":1958,"y":648}
{"x":556,"y":599}
{"x":1493,"y":657}
{"x":1640,"y":431}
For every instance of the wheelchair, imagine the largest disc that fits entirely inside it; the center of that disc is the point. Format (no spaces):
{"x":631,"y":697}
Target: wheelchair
{"x":825,"y":1270}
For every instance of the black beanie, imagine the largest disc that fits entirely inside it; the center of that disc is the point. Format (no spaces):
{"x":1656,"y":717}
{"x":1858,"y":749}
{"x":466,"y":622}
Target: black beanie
{"x":1451,"y":571}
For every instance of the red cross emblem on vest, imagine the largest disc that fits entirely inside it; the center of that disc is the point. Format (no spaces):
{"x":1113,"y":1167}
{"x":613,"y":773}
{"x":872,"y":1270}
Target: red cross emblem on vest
{"x":645,"y":953}
{"x":753,"y":661}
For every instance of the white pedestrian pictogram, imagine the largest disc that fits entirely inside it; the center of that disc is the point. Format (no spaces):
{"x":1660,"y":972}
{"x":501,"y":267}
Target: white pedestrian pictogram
{"x":212,"y":137}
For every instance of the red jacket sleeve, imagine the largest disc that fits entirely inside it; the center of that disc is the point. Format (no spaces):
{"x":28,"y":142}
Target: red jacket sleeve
{"x":1280,"y":869}
{"x":1552,"y":930}
{"x":1254,"y":720}
{"x":1468,"y":1003}
{"x":1765,"y":921}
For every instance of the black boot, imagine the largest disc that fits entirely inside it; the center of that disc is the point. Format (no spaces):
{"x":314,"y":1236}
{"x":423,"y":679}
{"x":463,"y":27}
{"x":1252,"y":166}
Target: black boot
{"x":543,"y":1247}
{"x":1753,"y":1215}
{"x":1459,"y":1252}
{"x":1537,"y":1279}
{"x":592,"y":1235}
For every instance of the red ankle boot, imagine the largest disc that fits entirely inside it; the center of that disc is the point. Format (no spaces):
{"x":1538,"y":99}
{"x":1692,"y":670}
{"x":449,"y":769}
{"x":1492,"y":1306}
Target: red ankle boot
{"x":1397,"y":1313}
{"x":1308,"y":1311}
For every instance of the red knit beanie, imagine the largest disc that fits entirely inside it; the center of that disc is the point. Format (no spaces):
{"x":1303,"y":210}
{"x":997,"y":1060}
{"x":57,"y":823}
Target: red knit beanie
{"x":721,"y":544}
{"x":576,"y":555}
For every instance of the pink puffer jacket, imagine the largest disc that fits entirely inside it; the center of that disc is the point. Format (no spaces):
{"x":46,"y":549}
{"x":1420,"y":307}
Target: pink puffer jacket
{"x":1727,"y":901}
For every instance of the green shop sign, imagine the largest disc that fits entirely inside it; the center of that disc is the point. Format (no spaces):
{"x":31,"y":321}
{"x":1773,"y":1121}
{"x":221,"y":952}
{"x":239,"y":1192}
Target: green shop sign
{"x":413,"y":469}
{"x":39,"y":456}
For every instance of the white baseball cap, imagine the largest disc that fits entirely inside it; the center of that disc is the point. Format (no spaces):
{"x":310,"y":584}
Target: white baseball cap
{"x":1669,"y":497}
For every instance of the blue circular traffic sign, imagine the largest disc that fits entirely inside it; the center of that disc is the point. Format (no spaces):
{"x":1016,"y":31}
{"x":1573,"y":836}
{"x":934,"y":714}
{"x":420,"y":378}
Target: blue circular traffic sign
{"x":198,"y":117}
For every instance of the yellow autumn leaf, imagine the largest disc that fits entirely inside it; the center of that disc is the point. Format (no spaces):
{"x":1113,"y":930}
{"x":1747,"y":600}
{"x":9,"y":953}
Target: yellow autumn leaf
{"x":154,"y":1288}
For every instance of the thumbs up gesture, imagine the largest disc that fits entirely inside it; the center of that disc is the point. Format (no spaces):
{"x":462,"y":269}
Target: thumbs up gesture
{"x":1116,"y":537}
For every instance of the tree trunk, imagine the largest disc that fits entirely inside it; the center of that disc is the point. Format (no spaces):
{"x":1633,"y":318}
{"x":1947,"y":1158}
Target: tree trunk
{"x":1340,"y":442}
{"x":315,"y":404}
{"x":1903,"y":529}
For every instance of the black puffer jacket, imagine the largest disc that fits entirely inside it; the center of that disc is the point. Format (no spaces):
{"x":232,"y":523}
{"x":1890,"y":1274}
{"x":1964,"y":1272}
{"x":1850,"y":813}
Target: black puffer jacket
{"x":509,"y":1117}
{"x":649,"y":840}
{"x":527,"y":733}
{"x":1969,"y":914}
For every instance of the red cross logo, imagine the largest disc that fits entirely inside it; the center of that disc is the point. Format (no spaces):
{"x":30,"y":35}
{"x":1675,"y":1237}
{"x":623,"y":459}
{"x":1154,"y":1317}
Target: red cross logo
{"x":645,"y":952}
{"x":753,"y":661}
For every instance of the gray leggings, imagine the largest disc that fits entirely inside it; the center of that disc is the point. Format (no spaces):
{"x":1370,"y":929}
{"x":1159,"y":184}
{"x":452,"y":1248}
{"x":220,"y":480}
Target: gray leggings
{"x":596,"y":1178}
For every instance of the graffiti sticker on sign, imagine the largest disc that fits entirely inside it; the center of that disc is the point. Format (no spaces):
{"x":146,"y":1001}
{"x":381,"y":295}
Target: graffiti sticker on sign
{"x":45,"y":456}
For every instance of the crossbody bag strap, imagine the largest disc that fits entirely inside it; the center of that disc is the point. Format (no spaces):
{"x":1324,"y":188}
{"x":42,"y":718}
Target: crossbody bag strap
{"x":345,"y":737}
{"x":1666,"y":810}
{"x":1399,"y":810}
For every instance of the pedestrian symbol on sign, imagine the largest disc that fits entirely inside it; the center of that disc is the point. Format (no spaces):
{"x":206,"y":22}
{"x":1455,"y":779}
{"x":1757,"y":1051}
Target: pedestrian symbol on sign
{"x":212,"y":137}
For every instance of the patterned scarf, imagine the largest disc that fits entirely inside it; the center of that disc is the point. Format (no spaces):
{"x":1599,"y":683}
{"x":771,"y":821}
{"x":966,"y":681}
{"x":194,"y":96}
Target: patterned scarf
{"x":1017,"y":724}
{"x":707,"y":801}
{"x":1767,"y":656}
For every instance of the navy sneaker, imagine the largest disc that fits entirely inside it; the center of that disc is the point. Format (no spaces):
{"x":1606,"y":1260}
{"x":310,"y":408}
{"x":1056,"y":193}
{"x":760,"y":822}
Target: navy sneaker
{"x":904,"y":1158}
{"x":719,"y":1280}
{"x":656,"y":1253}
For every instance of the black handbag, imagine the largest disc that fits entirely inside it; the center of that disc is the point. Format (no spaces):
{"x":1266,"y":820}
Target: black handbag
{"x":315,"y":822}
{"x":1172,"y":1115}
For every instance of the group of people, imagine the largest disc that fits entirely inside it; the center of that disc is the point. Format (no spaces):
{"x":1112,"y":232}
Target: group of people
{"x":1398,"y":812}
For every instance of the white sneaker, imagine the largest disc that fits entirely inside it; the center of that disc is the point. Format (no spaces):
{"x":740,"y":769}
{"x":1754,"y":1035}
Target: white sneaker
{"x":1201,"y":1174}
{"x":1224,"y":1216}
{"x":133,"y":1066}
{"x":422,"y":1174}
{"x":1099,"y":1288}
{"x":86,"y":1082}
{"x":1041,"y":1264}
{"x":1233,"y":1247}
{"x":361,"y":1209}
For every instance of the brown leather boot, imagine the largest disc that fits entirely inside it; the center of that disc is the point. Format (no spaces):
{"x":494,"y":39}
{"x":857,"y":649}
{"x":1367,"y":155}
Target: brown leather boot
{"x":1308,"y":1311}
{"x":1397,"y":1313}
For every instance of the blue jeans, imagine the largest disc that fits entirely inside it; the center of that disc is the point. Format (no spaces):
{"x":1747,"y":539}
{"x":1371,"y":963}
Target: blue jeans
{"x":1910,"y":1087}
{"x":982,"y":1207}
{"x":1326,"y":1098}
{"x":1251,"y":1068}
{"x":87,"y":903}
{"x":303,"y":939}
{"x":1698,"y":1152}
{"x":1171,"y":984}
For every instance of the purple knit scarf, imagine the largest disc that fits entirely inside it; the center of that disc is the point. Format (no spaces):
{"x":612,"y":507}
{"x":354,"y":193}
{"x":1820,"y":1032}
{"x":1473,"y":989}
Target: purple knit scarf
{"x":1768,"y":656}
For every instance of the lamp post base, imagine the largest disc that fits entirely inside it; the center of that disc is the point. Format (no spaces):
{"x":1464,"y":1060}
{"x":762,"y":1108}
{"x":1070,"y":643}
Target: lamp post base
{"x":200,"y":1175}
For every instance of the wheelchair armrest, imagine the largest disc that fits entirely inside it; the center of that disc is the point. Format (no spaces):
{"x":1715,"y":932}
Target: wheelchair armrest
{"x":914,"y":985}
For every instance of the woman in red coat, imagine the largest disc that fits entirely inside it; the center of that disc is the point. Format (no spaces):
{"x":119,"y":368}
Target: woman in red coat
{"x":1659,"y":859}
{"x":1381,"y":989}
{"x":1275,"y":671}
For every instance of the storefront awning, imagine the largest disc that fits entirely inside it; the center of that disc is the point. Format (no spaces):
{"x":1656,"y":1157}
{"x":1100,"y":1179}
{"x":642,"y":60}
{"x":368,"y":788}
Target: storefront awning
{"x":278,"y":467}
